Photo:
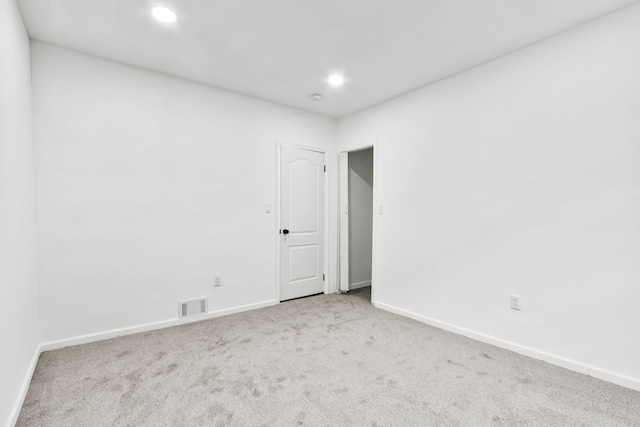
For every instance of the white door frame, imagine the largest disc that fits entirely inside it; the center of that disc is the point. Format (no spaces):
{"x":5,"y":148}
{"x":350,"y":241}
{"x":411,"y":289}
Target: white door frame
{"x":279,"y":145}
{"x":343,"y":222}
{"x":344,"y":233}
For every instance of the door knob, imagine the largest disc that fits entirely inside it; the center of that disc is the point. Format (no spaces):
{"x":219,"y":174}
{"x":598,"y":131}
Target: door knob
{"x":285,"y":231}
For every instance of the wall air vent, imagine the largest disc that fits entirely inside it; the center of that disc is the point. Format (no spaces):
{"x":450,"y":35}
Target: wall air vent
{"x":192,"y":307}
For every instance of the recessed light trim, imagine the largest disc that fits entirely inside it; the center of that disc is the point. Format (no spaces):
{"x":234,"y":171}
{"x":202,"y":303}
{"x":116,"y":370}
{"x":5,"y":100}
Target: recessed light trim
{"x":336,"y":80}
{"x":316,"y":97}
{"x":163,"y":14}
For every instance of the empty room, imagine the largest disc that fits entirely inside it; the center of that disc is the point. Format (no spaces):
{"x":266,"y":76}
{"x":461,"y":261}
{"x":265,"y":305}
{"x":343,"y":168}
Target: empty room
{"x":356,"y":212}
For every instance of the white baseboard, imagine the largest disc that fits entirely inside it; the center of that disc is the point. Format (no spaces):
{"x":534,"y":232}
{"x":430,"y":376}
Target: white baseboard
{"x":358,"y":285}
{"x":17,"y":406}
{"x":583,"y":368}
{"x":99,"y":336}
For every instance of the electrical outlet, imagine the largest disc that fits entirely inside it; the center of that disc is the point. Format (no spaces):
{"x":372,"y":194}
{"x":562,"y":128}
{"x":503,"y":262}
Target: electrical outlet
{"x":217,"y":280}
{"x":515,"y":302}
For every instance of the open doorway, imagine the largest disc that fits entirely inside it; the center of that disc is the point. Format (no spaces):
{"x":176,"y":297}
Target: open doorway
{"x":357,"y":221}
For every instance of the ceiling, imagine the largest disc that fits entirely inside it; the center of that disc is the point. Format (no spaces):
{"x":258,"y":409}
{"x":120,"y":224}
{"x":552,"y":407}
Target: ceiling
{"x":284,"y":50}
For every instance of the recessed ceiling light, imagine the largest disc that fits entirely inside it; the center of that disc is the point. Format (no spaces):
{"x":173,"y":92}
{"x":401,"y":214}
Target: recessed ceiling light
{"x":316,"y":97}
{"x":336,"y":80}
{"x":163,"y":14}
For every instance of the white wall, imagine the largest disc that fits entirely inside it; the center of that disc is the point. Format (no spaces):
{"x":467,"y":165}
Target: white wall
{"x":148,"y":186}
{"x":360,"y":216}
{"x":520,"y":176}
{"x":18,"y":292}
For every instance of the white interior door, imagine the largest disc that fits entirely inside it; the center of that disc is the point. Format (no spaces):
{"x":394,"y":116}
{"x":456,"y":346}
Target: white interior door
{"x":344,"y":222}
{"x":301,"y":222}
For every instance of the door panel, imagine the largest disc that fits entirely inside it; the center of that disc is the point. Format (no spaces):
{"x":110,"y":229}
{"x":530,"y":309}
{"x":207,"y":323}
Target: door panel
{"x":303,"y":196}
{"x":303,"y":262}
{"x":301,"y":222}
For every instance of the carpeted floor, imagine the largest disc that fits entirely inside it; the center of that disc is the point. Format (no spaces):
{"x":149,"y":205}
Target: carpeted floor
{"x":328,"y":360}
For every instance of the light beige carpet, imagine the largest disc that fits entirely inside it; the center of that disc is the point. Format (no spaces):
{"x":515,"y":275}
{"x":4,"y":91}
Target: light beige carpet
{"x":329,"y":360}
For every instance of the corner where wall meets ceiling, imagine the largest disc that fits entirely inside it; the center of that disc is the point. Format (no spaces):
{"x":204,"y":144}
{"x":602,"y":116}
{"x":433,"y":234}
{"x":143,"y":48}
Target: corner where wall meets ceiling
{"x":283,"y":51}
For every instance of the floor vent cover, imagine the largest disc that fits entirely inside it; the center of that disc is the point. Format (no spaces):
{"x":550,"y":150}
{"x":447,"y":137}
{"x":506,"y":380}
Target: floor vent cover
{"x":192,"y":307}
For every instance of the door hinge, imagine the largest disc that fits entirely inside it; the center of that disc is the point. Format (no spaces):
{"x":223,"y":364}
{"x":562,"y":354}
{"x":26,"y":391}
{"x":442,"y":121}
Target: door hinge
{"x":325,"y":168}
{"x":323,"y":277}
